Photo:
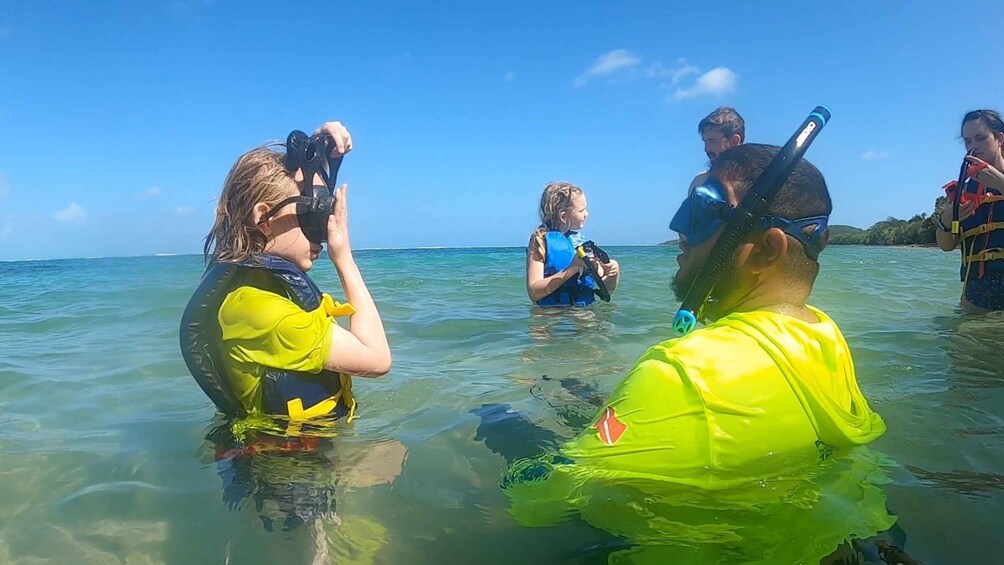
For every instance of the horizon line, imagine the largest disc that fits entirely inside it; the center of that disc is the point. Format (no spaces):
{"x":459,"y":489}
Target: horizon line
{"x":417,"y":248}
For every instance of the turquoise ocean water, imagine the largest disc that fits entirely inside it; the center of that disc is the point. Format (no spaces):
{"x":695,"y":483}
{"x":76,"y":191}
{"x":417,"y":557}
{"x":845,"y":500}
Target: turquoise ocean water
{"x":104,"y":456}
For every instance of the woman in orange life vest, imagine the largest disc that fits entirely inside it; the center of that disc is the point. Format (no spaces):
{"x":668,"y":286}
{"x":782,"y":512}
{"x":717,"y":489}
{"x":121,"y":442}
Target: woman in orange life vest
{"x":981,"y":214}
{"x":258,"y":335}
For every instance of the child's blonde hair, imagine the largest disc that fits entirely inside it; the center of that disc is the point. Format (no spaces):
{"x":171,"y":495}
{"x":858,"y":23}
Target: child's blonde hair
{"x":557,"y":197}
{"x":258,"y":176}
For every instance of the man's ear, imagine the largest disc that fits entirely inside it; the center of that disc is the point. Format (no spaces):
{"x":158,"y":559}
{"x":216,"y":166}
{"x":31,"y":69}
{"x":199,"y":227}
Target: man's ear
{"x":735,"y":140}
{"x":769,"y":249}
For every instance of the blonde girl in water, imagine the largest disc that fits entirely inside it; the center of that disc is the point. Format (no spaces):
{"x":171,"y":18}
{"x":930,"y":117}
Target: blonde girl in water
{"x":556,"y":274}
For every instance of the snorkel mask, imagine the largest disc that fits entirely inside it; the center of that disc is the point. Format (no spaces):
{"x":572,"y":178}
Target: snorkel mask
{"x":312,"y":155}
{"x":707,"y":210}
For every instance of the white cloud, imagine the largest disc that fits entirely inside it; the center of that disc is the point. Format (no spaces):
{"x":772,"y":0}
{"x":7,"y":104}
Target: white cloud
{"x":4,"y":187}
{"x":681,"y":71}
{"x":684,"y":71}
{"x":510,"y":76}
{"x":608,"y":64}
{"x":875,"y":155}
{"x":5,"y":232}
{"x":72,"y":212}
{"x":184,"y":211}
{"x":152,"y":192}
{"x":717,"y":81}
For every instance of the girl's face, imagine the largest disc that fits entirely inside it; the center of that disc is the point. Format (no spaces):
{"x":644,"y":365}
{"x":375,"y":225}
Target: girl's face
{"x":574,"y":217}
{"x":982,"y":141}
{"x":286,"y":239}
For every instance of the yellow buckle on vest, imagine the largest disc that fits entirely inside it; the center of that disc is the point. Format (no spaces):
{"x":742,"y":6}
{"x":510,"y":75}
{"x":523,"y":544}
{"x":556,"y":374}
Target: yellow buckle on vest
{"x":982,"y":229}
{"x":336,"y":309}
{"x":347,"y":397}
{"x":985,"y":255}
{"x":297,"y":413}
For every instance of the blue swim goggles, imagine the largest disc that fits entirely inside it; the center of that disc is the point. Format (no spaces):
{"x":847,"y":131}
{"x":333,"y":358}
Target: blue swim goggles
{"x":706,"y":210}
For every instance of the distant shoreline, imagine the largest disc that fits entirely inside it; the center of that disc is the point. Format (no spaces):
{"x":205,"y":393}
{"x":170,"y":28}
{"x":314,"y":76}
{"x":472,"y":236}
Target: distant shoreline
{"x":916,"y":245}
{"x":443,"y":248}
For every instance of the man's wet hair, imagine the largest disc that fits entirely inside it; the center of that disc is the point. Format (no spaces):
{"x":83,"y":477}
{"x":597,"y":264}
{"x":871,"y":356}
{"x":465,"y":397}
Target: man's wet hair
{"x":725,"y":119}
{"x":803,"y":195}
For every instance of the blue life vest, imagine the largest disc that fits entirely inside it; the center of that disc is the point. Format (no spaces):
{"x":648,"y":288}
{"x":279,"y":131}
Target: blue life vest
{"x":288,"y":393}
{"x":559,"y":251}
{"x":983,"y":233}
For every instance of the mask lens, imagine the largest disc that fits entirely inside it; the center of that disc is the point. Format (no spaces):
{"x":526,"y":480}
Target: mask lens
{"x":702,"y":213}
{"x":312,"y":214}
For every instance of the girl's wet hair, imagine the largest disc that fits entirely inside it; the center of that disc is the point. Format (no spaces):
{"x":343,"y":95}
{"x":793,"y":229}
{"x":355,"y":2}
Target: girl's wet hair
{"x":557,"y":197}
{"x":989,"y":118}
{"x":258,"y":176}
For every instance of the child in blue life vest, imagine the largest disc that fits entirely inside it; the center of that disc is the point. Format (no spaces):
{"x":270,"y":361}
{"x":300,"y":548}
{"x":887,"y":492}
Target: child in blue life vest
{"x":556,"y":275}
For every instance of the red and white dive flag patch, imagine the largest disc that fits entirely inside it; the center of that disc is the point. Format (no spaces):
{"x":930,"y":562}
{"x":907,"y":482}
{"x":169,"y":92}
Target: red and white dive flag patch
{"x":609,"y":427}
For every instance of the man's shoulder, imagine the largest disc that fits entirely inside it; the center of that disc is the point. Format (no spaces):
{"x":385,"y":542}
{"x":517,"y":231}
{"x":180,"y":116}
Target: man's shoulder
{"x":721,"y":344}
{"x":698,"y":181}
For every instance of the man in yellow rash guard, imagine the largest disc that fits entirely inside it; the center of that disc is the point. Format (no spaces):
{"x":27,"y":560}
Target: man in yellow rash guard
{"x":750,"y":389}
{"x":264,"y":329}
{"x":767,"y":389}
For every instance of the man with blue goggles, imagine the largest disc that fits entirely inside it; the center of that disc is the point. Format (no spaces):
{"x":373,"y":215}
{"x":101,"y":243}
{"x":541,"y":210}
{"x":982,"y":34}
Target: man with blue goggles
{"x":706,"y":210}
{"x":766,"y":388}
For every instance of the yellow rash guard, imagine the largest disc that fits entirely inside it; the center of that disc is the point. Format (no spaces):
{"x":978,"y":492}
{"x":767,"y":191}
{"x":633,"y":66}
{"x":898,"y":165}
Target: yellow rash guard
{"x":759,"y":411}
{"x":752,"y":386}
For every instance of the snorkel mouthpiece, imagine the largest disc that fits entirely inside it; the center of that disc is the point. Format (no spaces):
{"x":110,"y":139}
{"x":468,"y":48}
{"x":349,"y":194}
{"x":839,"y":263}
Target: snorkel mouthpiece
{"x":684,"y":322}
{"x":746,"y":218}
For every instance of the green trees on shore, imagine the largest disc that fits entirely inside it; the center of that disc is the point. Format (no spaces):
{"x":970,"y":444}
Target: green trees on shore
{"x":918,"y":230}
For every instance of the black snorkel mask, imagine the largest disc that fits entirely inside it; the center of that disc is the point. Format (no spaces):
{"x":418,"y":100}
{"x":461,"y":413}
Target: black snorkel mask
{"x":312,"y":155}
{"x":749,"y":216}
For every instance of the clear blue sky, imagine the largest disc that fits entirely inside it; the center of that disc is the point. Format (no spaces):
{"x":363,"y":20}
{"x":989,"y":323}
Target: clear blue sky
{"x":120,"y":120}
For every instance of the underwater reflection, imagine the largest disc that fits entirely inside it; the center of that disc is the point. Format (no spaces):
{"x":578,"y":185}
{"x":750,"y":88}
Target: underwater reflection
{"x":975,"y":392}
{"x":831,"y":512}
{"x":290,"y":477}
{"x":564,"y":360}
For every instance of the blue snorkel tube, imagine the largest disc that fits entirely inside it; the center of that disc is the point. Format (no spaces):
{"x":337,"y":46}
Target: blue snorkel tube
{"x":746,"y":218}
